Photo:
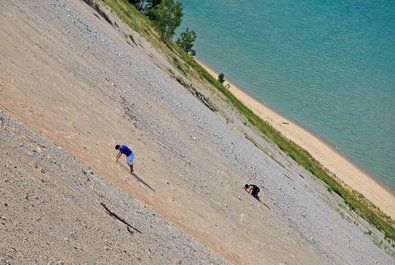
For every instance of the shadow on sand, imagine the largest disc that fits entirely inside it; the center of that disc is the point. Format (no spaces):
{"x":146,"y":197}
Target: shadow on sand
{"x":259,"y":199}
{"x":142,"y":181}
{"x":137,"y":177}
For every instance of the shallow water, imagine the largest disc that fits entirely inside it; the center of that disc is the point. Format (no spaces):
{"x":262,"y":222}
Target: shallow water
{"x":327,"y":65}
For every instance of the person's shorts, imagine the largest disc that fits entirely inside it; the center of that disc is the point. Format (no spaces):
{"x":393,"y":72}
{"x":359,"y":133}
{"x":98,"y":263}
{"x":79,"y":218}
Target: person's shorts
{"x":130,"y":158}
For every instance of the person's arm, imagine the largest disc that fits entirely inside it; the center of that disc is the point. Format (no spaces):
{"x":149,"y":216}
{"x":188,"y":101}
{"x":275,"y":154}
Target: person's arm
{"x":118,"y":156}
{"x":248,"y":189}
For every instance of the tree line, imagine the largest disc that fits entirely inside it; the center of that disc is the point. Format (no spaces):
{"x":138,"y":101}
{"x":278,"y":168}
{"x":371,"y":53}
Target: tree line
{"x":166,"y":16}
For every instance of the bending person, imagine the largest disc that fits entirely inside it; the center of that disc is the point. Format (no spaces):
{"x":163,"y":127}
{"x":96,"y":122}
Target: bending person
{"x":253,"y":190}
{"x":123,"y":149}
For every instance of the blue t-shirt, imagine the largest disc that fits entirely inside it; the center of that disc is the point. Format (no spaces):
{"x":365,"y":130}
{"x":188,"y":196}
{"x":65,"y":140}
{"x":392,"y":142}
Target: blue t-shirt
{"x":125,"y":150}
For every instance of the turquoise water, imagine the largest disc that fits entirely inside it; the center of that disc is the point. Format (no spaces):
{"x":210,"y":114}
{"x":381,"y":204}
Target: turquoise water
{"x":327,"y":65}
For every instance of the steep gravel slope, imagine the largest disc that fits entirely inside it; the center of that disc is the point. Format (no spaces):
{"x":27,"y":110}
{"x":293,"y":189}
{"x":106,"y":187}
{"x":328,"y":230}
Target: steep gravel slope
{"x":77,"y":86}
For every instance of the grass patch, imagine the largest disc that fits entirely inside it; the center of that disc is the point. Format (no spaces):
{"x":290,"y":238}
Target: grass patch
{"x":136,"y":21}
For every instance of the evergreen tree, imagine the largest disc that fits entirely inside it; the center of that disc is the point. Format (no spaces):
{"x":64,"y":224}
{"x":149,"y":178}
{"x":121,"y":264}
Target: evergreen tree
{"x":186,"y":41}
{"x":221,"y":78}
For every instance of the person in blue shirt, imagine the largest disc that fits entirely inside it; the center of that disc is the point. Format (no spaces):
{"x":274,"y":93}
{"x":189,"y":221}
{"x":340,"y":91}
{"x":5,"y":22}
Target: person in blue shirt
{"x":123,"y":149}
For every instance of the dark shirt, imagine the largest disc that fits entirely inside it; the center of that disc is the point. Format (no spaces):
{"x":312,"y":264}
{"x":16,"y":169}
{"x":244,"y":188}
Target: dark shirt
{"x":255,"y":190}
{"x":125,"y":150}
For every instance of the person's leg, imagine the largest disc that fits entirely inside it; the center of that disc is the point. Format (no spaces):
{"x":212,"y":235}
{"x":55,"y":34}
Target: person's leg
{"x":130,"y":162}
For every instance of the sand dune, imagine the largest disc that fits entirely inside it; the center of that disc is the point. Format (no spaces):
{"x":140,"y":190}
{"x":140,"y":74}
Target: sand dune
{"x":71,"y":87}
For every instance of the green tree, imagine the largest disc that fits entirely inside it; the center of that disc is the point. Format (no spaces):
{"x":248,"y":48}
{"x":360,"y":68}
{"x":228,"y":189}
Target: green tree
{"x":221,"y":78}
{"x":153,"y":3}
{"x":167,"y":17}
{"x":135,"y":2}
{"x":186,"y":41}
{"x":149,"y":6}
{"x":138,"y":4}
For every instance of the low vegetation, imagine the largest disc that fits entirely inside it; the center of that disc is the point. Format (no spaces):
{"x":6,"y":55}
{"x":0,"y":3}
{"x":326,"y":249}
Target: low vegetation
{"x":356,"y":201}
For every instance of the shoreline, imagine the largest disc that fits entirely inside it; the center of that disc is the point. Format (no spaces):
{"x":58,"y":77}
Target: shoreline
{"x":329,"y":158}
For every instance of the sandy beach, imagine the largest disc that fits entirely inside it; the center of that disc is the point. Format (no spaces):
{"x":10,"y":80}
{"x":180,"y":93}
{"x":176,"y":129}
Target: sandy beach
{"x":325,"y":154}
